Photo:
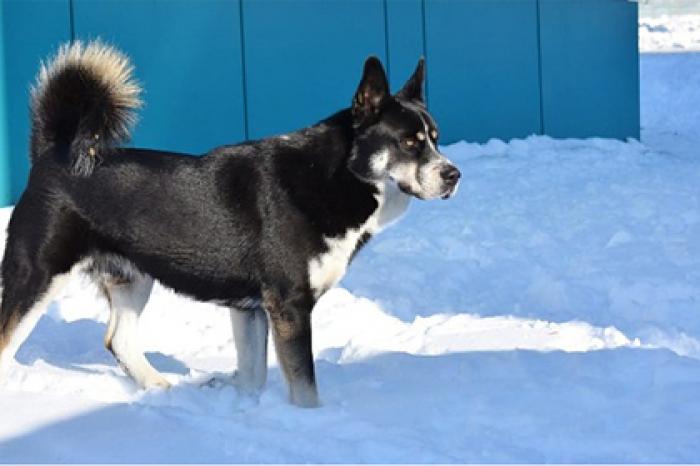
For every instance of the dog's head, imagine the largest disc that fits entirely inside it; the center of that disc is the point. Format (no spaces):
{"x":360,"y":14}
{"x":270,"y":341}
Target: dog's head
{"x":396,"y":138}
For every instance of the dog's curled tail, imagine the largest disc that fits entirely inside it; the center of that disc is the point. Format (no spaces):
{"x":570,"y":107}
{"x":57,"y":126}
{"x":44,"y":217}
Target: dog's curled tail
{"x":83,"y":104}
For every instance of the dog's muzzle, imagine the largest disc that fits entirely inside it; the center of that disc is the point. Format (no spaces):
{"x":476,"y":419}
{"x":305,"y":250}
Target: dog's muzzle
{"x":450,"y":177}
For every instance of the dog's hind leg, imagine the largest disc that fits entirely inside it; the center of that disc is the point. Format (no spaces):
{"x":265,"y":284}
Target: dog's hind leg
{"x":127,"y":298}
{"x":250,"y":330}
{"x":41,"y":250}
{"x":24,"y":301}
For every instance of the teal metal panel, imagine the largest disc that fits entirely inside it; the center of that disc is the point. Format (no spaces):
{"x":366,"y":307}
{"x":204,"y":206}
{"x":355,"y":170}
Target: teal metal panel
{"x":188,"y":58}
{"x":32,"y":30}
{"x":483,"y":69}
{"x":303,"y":59}
{"x":404,"y":22}
{"x":5,"y":189}
{"x":590,"y":68}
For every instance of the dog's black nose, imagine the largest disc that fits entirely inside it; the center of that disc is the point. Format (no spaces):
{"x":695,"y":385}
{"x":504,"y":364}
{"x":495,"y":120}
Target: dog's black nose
{"x":450,"y":174}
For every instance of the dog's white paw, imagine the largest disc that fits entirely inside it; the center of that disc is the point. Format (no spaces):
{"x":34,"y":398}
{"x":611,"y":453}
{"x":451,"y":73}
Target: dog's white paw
{"x":154,"y":381}
{"x":246,"y":385}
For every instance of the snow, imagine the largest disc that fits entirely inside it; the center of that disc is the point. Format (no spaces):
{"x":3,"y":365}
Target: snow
{"x":548,"y":313}
{"x":670,"y":33}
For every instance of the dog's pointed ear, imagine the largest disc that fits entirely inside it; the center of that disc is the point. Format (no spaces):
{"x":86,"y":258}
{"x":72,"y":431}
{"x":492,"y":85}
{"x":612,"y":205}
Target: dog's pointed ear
{"x":413,"y":89}
{"x":371,"y":93}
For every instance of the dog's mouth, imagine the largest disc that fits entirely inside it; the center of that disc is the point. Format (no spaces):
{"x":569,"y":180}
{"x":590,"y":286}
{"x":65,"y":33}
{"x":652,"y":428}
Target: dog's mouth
{"x":447,"y":194}
{"x":406,"y":189}
{"x":450,"y":192}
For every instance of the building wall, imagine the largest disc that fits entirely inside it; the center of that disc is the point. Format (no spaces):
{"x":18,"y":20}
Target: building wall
{"x":5,"y":188}
{"x":222,"y":71}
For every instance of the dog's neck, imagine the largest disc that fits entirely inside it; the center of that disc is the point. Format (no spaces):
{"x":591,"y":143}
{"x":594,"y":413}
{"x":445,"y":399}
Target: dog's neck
{"x":326,"y":190}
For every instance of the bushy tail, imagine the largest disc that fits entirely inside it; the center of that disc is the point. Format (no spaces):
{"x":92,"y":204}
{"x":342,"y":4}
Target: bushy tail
{"x":83,"y":104}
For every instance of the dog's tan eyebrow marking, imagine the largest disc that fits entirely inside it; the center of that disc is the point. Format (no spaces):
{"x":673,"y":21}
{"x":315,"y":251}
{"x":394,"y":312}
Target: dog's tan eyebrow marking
{"x":420,"y":136}
{"x":434,"y":134}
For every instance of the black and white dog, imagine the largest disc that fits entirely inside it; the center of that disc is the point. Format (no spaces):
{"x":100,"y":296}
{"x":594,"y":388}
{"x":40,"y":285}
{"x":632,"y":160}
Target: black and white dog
{"x":263,"y":227}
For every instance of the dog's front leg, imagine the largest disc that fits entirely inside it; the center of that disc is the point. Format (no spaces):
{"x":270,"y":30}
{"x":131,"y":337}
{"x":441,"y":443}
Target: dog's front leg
{"x":290,"y":317}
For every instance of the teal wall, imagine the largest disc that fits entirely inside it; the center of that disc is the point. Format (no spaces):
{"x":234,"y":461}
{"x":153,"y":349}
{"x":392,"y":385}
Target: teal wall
{"x":222,"y":71}
{"x":31,"y":30}
{"x":5,"y":195}
{"x":590,"y":78}
{"x":187,"y":55}
{"x":491,"y":86}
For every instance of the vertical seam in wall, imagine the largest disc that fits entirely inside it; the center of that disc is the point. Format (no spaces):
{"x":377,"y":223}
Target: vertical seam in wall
{"x":425,"y":52}
{"x":539,"y":66}
{"x":243,"y":71}
{"x":71,"y":16}
{"x":386,"y":39}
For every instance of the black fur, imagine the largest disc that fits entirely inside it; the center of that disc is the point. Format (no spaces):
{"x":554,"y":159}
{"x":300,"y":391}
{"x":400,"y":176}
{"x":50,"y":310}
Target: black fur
{"x":239,"y":224}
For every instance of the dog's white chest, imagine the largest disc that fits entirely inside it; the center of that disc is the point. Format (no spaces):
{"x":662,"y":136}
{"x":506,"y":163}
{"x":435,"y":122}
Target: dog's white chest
{"x":325,"y":270}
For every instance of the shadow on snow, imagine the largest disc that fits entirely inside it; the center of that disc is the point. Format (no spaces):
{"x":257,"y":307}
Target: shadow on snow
{"x":623,"y":405}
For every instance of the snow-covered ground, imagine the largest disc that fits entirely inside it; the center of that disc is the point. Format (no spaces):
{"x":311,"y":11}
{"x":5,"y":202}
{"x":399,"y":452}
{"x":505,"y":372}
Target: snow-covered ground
{"x":549,"y":313}
{"x":670,"y":32}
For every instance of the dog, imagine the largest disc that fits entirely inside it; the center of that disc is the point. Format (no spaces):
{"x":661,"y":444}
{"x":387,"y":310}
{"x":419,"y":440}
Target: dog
{"x":263,"y":227}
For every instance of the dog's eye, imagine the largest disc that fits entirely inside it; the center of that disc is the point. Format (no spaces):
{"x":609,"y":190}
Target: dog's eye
{"x":409,"y":143}
{"x":434,"y":135}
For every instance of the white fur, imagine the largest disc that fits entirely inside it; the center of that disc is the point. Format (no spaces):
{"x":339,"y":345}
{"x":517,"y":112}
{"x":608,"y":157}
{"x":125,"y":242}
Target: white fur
{"x":250,"y":328}
{"x":126,"y":303}
{"x":29,"y":321}
{"x":379,"y":161}
{"x":405,"y":173}
{"x":325,"y":270}
{"x":433,"y":184}
{"x":394,"y":205}
{"x":328,"y":268}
